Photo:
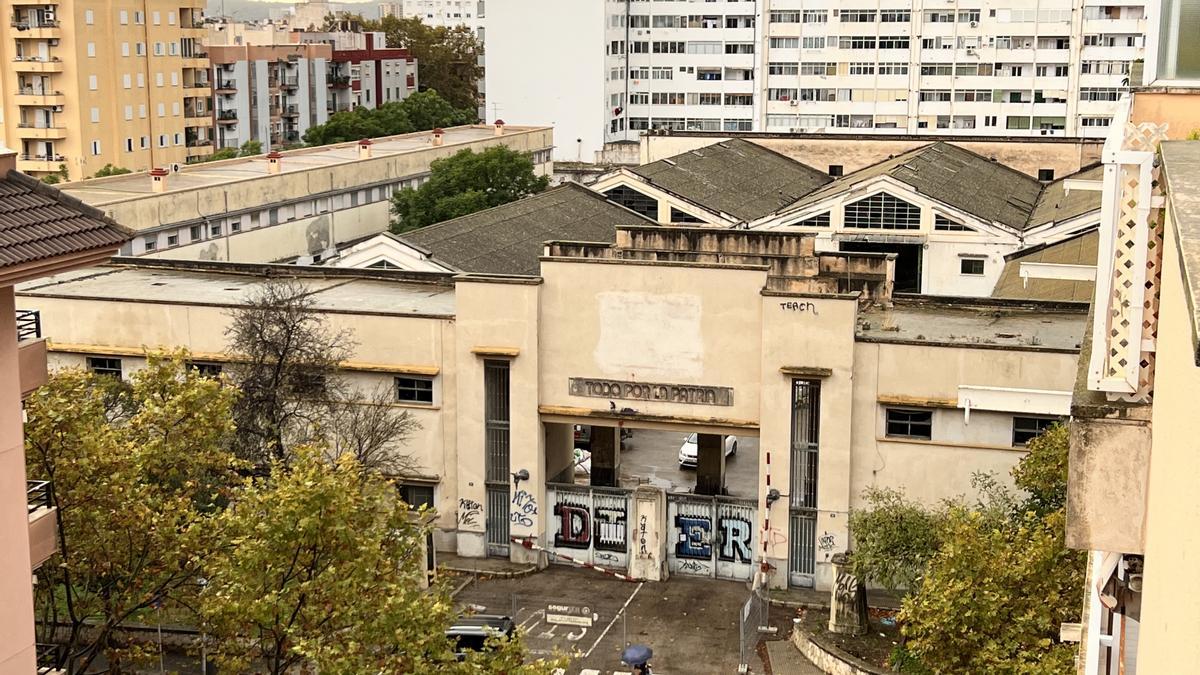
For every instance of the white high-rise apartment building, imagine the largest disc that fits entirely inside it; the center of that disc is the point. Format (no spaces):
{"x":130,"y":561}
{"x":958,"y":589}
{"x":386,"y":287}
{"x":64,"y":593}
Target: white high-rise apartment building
{"x":448,"y":13}
{"x":984,"y":67}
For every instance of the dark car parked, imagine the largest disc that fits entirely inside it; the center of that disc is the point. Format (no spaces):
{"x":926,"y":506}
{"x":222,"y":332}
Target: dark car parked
{"x":470,"y":633}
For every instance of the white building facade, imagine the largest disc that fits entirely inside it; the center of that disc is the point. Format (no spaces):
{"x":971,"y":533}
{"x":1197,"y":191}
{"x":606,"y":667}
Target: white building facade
{"x":1028,"y":67}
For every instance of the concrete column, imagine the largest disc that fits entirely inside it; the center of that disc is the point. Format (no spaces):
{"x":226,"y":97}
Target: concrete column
{"x":710,"y":464}
{"x":606,"y":456}
{"x":17,"y":654}
{"x":560,"y":458}
{"x":847,"y":599}
{"x":650,"y":534}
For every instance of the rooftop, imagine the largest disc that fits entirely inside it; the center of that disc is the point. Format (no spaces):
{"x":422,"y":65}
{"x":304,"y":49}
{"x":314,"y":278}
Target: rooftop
{"x":39,"y":223}
{"x":99,"y":191}
{"x":1080,"y":249}
{"x":978,"y":323}
{"x":229,"y":285}
{"x":508,"y":239}
{"x":1057,"y":204}
{"x":737,"y":177}
{"x":953,"y":176}
{"x":1181,"y":162}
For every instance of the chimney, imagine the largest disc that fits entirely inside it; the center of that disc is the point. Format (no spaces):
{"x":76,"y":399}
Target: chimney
{"x":159,"y":177}
{"x":499,"y":125}
{"x":364,"y":148}
{"x":8,"y":161}
{"x":273,"y":158}
{"x":438,"y":134}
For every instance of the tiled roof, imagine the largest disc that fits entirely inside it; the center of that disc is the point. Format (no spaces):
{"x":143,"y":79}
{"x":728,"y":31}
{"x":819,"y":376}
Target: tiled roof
{"x":736,"y":177}
{"x":38,"y":222}
{"x":1057,"y":204}
{"x":508,"y":239}
{"x":1080,"y":249}
{"x":954,"y":176}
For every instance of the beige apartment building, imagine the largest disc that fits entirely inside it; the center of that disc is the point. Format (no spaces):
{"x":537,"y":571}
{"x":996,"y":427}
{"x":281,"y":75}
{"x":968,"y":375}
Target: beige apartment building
{"x":828,"y":384}
{"x":88,"y":83}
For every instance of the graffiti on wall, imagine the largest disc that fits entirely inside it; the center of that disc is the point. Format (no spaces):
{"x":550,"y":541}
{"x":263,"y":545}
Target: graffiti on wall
{"x":525,"y":507}
{"x":580,"y":528}
{"x":735,"y":540}
{"x":694,"y":538}
{"x":469,"y":512}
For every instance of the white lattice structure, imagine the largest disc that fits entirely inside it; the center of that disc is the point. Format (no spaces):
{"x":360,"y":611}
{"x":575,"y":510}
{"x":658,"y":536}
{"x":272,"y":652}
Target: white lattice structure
{"x":1129,"y":262}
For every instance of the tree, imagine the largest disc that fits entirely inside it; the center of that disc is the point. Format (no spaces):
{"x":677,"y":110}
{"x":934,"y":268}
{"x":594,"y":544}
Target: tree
{"x":464,"y":183}
{"x":1003,"y":581}
{"x":138,"y":471}
{"x":324,"y":565}
{"x":894,"y":538}
{"x":110,"y":170}
{"x":247,"y":149}
{"x":286,"y":361}
{"x":447,"y":58}
{"x":57,"y":176}
{"x":418,"y":112}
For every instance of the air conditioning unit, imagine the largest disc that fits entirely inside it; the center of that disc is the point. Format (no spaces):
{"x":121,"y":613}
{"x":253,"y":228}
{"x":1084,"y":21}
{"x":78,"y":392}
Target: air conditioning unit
{"x":793,"y":103}
{"x":53,"y":42}
{"x":57,"y":108}
{"x":175,"y":167}
{"x":970,"y":50}
{"x":974,"y":24}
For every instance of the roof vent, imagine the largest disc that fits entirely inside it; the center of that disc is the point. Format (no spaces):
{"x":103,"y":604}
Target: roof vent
{"x":273,"y":158}
{"x":438,"y":134}
{"x":498,"y":126}
{"x":158,"y":177}
{"x":364,"y":148}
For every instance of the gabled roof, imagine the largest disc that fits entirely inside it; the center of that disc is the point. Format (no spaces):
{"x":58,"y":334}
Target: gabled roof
{"x":39,"y":223}
{"x":736,"y":177}
{"x":508,"y":239}
{"x":1057,"y":205}
{"x":954,"y":176}
{"x":1080,"y":249}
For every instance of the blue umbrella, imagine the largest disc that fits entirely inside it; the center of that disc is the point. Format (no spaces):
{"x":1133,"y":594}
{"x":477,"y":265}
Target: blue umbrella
{"x":636,"y":655}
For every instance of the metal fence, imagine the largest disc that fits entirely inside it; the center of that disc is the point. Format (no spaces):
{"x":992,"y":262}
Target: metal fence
{"x":29,"y":324}
{"x":753,"y":621}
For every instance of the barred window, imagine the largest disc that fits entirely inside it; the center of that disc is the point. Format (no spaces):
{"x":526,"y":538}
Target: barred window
{"x":882,"y":212}
{"x":819,"y":220}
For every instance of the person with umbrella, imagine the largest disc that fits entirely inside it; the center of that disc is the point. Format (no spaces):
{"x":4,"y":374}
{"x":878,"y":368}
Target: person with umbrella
{"x":638,"y":657}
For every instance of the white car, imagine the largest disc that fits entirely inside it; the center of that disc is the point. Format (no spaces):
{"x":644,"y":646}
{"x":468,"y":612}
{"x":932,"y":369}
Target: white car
{"x":687,"y":451}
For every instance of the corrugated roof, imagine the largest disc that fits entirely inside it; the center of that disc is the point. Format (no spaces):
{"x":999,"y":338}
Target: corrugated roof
{"x":508,"y":239}
{"x":736,"y":177}
{"x":954,"y":176}
{"x":38,"y":222}
{"x":1080,"y":249}
{"x":1057,"y":205}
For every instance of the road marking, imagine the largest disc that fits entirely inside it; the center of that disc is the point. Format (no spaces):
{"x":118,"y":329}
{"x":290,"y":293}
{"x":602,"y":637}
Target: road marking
{"x":589,"y":671}
{"x":614,"y":619}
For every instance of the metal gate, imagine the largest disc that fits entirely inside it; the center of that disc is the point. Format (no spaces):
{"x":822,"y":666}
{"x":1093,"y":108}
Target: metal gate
{"x":805,"y":455}
{"x":497,"y":520}
{"x":712,"y":536}
{"x":803,"y":556}
{"x":589,"y":523}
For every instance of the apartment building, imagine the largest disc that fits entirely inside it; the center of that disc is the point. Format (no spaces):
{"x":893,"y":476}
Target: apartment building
{"x":88,"y":83}
{"x":271,"y":94}
{"x":995,"y":67}
{"x":447,"y":13}
{"x":362,"y":71}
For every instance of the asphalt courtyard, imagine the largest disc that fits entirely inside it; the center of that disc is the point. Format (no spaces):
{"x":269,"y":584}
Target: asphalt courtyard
{"x":653,"y":456}
{"x":690,"y":623}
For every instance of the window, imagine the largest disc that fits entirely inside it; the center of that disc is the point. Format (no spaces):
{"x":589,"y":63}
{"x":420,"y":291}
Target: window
{"x":895,"y":16}
{"x":944,"y":224}
{"x":1026,"y":429}
{"x":783,"y":69}
{"x":89,"y":17}
{"x":195,"y":233}
{"x":172,"y":240}
{"x":1045,"y":174}
{"x":123,"y":17}
{"x":971,"y":266}
{"x":678,"y":216}
{"x":93,"y":83}
{"x":819,"y":220}
{"x":815,"y":16}
{"x":416,"y":495}
{"x":104,"y":366}
{"x":784,"y":43}
{"x":91,"y":49}
{"x":785,"y":17}
{"x":215,"y":230}
{"x":813,"y":43}
{"x":139,"y":18}
{"x":150,"y":243}
{"x":95,"y":115}
{"x":882,"y":211}
{"x":95,"y":148}
{"x":414,"y":390}
{"x":857,"y":16}
{"x":634,"y":200}
{"x":907,"y":423}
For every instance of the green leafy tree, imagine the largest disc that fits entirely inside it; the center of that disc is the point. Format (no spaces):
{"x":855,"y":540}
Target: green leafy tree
{"x":894,"y":538}
{"x":418,"y":112}
{"x":250,"y":148}
{"x":464,"y":183}
{"x":56,"y":177}
{"x":447,"y":58}
{"x":138,"y":472}
{"x":325,"y":565}
{"x":1003,"y":581}
{"x":110,"y":170}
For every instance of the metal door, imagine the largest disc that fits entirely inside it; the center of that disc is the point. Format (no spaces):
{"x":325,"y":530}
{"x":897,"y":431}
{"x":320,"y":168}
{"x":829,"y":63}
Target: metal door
{"x":802,"y":556}
{"x":497,"y":520}
{"x":589,"y":524}
{"x":712,"y":536}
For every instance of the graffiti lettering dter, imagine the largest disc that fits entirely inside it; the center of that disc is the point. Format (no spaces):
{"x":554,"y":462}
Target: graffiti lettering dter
{"x":578,"y":527}
{"x":695,"y":538}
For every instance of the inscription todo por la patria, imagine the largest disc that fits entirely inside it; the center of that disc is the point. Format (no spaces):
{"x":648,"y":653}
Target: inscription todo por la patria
{"x":698,"y":394}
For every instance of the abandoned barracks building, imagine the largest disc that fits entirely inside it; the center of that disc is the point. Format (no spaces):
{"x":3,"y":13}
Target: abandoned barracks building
{"x":694,"y":330}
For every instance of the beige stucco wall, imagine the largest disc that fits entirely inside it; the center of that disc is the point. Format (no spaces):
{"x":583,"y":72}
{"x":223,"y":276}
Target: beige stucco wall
{"x":854,"y":153}
{"x":1175,"y":109}
{"x":1169,"y":613}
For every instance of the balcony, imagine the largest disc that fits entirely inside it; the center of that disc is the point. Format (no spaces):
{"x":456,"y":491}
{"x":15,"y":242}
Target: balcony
{"x":225,"y":87}
{"x":29,"y":131}
{"x":339,"y":82}
{"x":34,"y":64}
{"x":43,"y":521}
{"x":40,"y":163}
{"x":291,"y":111}
{"x":35,"y":29}
{"x":288,"y":83}
{"x":227,"y":117}
{"x":197,"y":89}
{"x":39,"y":97}
{"x":31,"y":351}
